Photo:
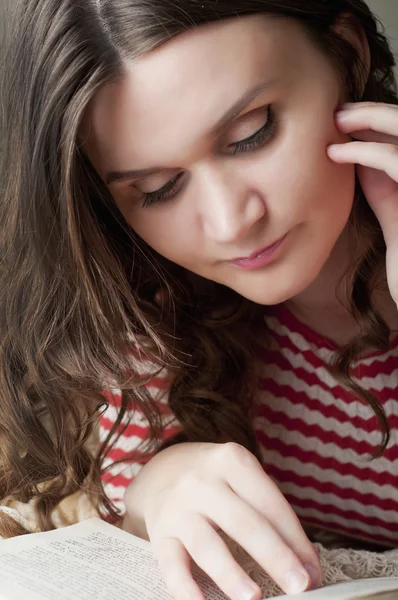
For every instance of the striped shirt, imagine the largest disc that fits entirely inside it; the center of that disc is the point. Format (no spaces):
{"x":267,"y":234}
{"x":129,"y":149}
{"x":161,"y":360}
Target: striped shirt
{"x":316,"y":438}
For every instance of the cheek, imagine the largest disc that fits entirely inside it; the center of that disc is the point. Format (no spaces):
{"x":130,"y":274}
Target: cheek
{"x":165,"y":231}
{"x":319,"y":185}
{"x":299,"y":174}
{"x":336,"y":183}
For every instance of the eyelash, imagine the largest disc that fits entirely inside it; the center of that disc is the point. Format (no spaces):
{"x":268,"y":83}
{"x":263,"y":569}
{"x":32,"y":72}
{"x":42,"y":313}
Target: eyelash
{"x":253,"y":142}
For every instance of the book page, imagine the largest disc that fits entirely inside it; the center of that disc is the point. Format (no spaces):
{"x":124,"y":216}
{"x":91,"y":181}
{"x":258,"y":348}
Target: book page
{"x":90,"y":560}
{"x":97,"y":561}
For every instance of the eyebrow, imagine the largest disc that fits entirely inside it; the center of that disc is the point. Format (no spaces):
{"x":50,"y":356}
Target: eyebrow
{"x":248,"y":97}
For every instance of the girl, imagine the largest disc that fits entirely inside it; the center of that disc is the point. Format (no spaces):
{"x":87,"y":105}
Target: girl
{"x":191,"y":258}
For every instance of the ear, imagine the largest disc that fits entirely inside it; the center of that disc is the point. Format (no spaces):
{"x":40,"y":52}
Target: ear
{"x":349,"y":28}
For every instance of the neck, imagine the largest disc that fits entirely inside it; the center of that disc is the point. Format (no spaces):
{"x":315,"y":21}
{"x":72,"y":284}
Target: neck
{"x":331,"y":290}
{"x":325,"y":304}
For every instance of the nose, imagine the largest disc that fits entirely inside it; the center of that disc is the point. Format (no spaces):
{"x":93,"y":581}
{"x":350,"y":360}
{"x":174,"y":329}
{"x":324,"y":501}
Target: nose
{"x":229,"y":207}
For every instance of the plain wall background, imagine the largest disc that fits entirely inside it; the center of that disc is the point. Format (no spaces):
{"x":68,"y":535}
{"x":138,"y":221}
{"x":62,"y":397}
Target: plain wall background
{"x":387,"y":11}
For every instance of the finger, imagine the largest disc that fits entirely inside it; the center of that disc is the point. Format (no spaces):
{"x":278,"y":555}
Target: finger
{"x":175,"y":566}
{"x":248,"y":480}
{"x":212,"y":555}
{"x":383,"y":157}
{"x":377,"y":117}
{"x":358,"y":105}
{"x":374,"y":136}
{"x":258,"y":537}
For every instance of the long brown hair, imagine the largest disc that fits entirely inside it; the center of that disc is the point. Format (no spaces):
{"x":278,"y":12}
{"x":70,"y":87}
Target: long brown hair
{"x":79,"y":287}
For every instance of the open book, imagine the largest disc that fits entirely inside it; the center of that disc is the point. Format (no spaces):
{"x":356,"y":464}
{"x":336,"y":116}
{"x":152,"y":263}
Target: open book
{"x":97,"y":561}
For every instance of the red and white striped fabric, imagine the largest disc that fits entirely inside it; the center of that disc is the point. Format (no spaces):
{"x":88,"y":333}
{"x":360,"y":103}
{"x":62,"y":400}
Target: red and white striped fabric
{"x":316,"y":438}
{"x":117,"y":476}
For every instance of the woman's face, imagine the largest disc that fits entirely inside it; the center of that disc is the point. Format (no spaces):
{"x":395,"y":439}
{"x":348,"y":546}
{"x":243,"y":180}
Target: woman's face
{"x":222,"y":135}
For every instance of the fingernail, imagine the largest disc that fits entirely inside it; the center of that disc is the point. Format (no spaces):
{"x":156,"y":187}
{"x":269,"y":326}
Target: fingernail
{"x":342,"y":114}
{"x":314,"y":573}
{"x":333,"y":147}
{"x":296,"y":581}
{"x":348,"y":105}
{"x":247,"y":590}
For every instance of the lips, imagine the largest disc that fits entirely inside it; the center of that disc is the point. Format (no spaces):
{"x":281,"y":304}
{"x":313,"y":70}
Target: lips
{"x":258,"y":252}
{"x":260,"y":257}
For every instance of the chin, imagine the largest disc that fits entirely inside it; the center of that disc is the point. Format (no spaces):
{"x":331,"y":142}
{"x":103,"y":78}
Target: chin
{"x":280,"y":289}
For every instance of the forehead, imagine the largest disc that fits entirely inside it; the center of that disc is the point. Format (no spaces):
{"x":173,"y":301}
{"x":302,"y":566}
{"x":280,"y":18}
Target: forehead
{"x":185,"y":85}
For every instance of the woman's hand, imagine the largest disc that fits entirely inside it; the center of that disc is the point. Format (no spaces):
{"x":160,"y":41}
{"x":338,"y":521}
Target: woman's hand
{"x":189,"y":491}
{"x":375,"y":126}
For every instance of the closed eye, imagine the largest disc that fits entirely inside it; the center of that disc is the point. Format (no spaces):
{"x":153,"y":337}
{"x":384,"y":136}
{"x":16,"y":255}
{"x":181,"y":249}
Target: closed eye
{"x":260,"y":137}
{"x":252,"y":143}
